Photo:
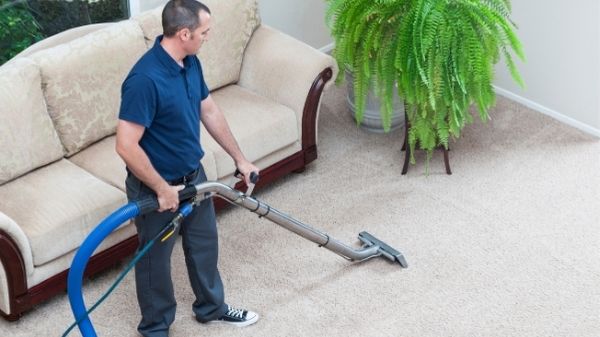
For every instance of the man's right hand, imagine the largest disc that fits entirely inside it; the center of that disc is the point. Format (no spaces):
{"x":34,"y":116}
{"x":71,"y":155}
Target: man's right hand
{"x":168,"y":198}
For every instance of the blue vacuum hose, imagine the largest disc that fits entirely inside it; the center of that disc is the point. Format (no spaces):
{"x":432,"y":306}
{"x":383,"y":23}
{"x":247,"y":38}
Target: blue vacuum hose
{"x":87,"y":248}
{"x":92,"y":241}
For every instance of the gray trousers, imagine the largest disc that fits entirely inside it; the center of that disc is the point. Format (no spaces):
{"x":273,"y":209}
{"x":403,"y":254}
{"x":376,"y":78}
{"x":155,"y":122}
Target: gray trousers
{"x":153,"y":272}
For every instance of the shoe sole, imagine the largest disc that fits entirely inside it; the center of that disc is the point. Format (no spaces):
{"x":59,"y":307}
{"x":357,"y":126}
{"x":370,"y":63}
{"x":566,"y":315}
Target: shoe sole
{"x":236,"y":324}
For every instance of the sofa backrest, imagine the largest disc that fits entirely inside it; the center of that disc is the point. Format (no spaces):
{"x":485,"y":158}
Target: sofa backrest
{"x":28,"y":139}
{"x":232,"y":25}
{"x":62,"y":37}
{"x":82,"y":81}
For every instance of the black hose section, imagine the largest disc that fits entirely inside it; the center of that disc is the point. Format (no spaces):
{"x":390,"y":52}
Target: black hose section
{"x":187,"y":193}
{"x":150,"y":203}
{"x":147,"y":204}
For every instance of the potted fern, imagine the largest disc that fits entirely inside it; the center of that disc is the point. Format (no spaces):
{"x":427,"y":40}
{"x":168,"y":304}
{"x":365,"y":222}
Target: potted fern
{"x":438,"y":55}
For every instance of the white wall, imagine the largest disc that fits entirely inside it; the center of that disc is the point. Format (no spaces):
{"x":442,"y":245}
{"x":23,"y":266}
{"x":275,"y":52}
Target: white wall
{"x":304,"y":20}
{"x":150,"y":4}
{"x":562,"y":72}
{"x":138,"y":6}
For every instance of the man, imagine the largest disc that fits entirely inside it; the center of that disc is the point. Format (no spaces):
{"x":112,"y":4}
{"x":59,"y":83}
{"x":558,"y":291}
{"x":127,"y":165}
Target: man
{"x":164,"y":98}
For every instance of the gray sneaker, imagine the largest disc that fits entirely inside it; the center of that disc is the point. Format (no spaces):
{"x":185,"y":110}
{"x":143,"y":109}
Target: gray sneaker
{"x":237,"y":317}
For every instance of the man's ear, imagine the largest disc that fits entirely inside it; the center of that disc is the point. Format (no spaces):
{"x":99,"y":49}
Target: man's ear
{"x":184,"y":34}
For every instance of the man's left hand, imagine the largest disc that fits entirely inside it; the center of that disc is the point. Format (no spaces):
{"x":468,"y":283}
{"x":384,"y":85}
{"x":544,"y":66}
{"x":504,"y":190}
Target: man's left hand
{"x":245,"y":168}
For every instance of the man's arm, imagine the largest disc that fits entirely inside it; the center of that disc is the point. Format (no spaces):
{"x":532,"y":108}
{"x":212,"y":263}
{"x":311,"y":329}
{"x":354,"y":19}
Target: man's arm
{"x":217,"y":126}
{"x":128,"y":147}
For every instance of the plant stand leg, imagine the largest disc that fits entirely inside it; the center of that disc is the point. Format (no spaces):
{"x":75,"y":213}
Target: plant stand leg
{"x":406,"y":160}
{"x":405,"y":146}
{"x":447,"y":161}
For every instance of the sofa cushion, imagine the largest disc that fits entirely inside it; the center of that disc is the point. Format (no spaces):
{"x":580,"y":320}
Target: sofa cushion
{"x":101,"y":160}
{"x":57,"y":206}
{"x":27,"y":135}
{"x":63,"y":262}
{"x":232,"y":24}
{"x":260,"y":126}
{"x":82,"y":81}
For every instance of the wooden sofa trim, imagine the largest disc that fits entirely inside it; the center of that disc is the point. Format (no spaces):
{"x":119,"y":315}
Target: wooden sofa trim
{"x":22,"y":299}
{"x":16,"y":276}
{"x":309,"y":115}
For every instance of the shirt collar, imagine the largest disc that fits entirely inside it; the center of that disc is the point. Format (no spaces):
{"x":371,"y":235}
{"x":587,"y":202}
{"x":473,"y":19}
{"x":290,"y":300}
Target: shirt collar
{"x":167,"y":60}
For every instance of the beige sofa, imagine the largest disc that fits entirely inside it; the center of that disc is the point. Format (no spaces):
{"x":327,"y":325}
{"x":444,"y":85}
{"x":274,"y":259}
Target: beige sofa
{"x":59,"y":173}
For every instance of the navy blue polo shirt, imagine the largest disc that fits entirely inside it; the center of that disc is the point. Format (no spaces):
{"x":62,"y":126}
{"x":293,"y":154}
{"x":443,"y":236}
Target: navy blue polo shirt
{"x":165,"y":98}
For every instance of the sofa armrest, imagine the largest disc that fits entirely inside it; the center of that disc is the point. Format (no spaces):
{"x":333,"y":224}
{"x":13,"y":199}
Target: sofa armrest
{"x":16,"y":262}
{"x":10,"y":231}
{"x":283,"y":69}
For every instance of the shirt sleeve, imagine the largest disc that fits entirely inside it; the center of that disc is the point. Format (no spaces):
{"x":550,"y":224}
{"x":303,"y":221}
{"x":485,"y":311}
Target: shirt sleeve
{"x":203,"y":87}
{"x":138,"y":100}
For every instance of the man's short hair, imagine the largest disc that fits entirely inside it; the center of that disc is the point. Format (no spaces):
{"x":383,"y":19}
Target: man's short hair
{"x":180,"y":14}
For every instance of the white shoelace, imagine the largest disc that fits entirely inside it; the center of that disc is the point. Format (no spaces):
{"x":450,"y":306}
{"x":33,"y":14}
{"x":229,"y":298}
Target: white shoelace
{"x":233,"y":312}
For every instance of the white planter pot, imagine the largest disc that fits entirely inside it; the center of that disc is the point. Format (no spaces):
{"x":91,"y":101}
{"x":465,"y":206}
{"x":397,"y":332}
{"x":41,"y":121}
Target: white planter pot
{"x":372,"y":116}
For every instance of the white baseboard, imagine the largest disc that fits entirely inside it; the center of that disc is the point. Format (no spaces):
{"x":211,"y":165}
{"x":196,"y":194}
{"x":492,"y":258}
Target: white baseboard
{"x":547,"y":111}
{"x":328,"y":48}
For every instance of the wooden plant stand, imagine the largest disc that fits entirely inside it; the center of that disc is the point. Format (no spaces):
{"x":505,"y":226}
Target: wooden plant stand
{"x":406,"y":148}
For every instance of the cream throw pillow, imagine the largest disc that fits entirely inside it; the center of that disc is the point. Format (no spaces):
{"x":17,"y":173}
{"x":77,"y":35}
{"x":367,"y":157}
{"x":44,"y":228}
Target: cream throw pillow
{"x":82,"y":81}
{"x":28,"y":139}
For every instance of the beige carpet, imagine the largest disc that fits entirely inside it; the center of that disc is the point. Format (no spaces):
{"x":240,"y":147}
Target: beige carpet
{"x":509,"y":245}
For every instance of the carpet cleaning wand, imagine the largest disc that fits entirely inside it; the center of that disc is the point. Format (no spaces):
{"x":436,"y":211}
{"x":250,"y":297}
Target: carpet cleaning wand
{"x":372,"y":247}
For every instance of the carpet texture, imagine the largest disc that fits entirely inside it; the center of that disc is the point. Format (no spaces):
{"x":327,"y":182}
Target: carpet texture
{"x":506,"y":246}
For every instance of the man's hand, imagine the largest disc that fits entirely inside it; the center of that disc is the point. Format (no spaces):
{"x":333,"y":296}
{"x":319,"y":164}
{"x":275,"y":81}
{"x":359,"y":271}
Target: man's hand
{"x":168,"y":197}
{"x":245,"y":167}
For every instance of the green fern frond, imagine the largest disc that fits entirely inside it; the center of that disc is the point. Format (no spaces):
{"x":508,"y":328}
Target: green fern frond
{"x":513,"y":69}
